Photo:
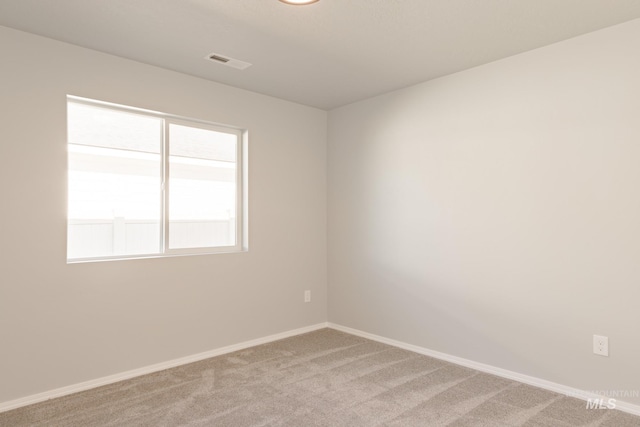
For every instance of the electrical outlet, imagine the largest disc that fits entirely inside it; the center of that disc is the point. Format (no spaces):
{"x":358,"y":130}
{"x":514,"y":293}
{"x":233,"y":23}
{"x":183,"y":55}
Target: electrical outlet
{"x":307,"y":296}
{"x":601,"y":345}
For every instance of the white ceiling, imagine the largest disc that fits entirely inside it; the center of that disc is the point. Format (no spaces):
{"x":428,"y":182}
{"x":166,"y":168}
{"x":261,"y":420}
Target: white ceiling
{"x":328,"y":54}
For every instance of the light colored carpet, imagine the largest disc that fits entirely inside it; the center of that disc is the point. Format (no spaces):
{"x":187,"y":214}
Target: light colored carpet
{"x":324,"y":378}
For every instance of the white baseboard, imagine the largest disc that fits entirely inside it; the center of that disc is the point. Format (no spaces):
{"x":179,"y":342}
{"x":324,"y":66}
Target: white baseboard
{"x":536,"y":382}
{"x":87,"y":385}
{"x":526,"y":379}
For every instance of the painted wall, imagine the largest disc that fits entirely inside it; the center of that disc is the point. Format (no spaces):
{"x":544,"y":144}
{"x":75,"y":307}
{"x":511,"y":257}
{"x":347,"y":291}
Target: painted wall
{"x":63,"y":324}
{"x":494,"y":214}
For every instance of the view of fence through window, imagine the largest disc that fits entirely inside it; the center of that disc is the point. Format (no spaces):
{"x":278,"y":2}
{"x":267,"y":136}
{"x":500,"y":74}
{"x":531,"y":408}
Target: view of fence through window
{"x":117,"y":204}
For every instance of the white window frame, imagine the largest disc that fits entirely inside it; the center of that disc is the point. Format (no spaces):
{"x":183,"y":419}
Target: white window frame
{"x":241,"y":182}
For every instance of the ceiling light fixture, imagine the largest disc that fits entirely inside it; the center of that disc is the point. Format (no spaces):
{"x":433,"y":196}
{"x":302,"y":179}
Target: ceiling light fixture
{"x":299,"y":2}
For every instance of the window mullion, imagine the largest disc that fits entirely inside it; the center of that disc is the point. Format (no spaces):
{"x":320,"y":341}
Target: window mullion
{"x":165,"y":186}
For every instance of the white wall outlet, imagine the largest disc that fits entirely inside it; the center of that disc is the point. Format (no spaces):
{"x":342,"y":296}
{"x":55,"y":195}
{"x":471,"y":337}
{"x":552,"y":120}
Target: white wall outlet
{"x":600,"y":345}
{"x":307,"y":296}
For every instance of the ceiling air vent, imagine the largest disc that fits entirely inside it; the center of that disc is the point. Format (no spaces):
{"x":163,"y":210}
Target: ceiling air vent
{"x":229,"y":62}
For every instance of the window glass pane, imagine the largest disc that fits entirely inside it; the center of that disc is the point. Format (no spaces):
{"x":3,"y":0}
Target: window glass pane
{"x":202,"y":187}
{"x":114,"y":192}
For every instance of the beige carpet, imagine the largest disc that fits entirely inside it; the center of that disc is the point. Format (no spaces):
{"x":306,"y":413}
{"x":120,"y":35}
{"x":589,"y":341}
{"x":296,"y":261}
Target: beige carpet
{"x":324,"y":378}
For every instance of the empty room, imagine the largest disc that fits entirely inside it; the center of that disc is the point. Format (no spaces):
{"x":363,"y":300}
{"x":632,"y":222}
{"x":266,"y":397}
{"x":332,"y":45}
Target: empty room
{"x":320,"y":213}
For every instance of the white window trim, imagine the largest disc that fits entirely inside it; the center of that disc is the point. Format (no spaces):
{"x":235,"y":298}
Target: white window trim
{"x":241,"y":184}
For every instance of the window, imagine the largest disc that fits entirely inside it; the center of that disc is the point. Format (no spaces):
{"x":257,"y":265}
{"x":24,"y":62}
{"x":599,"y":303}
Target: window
{"x":146,"y":184}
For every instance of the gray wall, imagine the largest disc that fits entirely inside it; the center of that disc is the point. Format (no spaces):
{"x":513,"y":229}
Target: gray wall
{"x":63,"y":324}
{"x":494,"y":214}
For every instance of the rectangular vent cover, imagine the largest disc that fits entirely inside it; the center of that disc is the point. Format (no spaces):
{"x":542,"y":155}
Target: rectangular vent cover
{"x":229,"y":62}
